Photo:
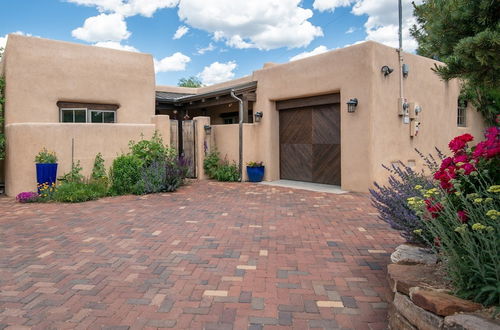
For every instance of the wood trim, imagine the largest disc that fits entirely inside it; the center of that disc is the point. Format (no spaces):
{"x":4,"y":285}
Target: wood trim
{"x":308,"y":101}
{"x":90,"y":106}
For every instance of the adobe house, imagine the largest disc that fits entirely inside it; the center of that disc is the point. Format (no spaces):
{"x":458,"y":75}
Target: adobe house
{"x":332,"y":118}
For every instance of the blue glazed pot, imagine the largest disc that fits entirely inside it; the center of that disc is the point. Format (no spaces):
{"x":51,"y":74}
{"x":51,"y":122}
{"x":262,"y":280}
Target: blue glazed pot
{"x":46,"y":173}
{"x":255,"y":174}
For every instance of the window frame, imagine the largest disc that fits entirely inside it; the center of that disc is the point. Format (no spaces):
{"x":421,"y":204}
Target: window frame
{"x":72,"y":109}
{"x":88,"y":115}
{"x":462,"y":114}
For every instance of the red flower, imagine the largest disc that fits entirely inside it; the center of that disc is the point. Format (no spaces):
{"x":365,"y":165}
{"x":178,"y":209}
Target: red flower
{"x":468,"y":168}
{"x":434,"y":209}
{"x":463,"y":216}
{"x":460,"y":142}
{"x":437,"y":241}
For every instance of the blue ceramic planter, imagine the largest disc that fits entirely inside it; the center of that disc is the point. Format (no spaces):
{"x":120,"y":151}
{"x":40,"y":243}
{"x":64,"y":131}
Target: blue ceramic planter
{"x":46,"y":173}
{"x":255,"y":174}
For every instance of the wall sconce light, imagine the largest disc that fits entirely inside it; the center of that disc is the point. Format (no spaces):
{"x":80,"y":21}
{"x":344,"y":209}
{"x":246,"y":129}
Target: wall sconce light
{"x":352,"y":104}
{"x":386,"y":70}
{"x":208,"y":129}
{"x":258,"y":116}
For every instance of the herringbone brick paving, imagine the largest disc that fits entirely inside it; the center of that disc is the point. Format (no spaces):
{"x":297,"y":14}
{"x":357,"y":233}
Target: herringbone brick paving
{"x":212,"y":255}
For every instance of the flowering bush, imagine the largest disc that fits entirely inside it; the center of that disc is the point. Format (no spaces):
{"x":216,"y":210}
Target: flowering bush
{"x":463,"y":215}
{"x":27,"y":197}
{"x":46,"y":157}
{"x":391,"y":201}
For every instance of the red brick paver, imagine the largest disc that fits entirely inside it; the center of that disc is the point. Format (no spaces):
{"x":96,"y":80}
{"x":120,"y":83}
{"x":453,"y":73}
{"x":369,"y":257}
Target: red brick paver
{"x":212,"y":255}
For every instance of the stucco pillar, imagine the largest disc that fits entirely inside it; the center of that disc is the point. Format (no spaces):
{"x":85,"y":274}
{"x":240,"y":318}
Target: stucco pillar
{"x":203,"y":143}
{"x":162,"y":126}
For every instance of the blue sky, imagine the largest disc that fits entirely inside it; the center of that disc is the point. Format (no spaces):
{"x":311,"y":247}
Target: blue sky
{"x":235,"y":44}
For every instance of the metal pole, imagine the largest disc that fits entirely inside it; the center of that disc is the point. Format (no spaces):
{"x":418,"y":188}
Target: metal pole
{"x":240,"y":132}
{"x":400,"y":59}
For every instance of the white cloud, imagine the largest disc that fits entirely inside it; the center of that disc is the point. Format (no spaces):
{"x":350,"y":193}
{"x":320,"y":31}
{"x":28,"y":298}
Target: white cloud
{"x":181,"y":31}
{"x":176,"y":62}
{"x":318,"y":50}
{"x":324,"y":5}
{"x":382,"y":22}
{"x":116,"y":45}
{"x":209,"y":48}
{"x":217,"y":73}
{"x":128,"y":7}
{"x":351,"y":30}
{"x":253,"y":23}
{"x":104,"y":27}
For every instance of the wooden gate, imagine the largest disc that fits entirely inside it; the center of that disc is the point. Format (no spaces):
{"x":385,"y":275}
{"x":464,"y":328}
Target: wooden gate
{"x":310,"y":144}
{"x":182,"y":138}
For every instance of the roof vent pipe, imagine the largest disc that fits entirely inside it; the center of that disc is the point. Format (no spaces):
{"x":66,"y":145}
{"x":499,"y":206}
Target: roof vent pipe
{"x":240,"y":101}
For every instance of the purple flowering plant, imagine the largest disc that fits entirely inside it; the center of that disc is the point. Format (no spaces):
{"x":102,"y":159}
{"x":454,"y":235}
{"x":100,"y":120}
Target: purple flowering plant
{"x":27,"y":197}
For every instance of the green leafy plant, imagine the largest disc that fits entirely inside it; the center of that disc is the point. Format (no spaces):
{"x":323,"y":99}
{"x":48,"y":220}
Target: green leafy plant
{"x":125,"y":173}
{"x":98,"y":170}
{"x":74,"y":175}
{"x":227,"y":172}
{"x":46,"y":157}
{"x":463,"y":216}
{"x":152,"y":150}
{"x":192,"y":82}
{"x":211,"y":163}
{"x":77,"y":192}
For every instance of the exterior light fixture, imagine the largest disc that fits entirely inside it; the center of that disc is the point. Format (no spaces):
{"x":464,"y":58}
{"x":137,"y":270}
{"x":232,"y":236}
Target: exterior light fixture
{"x":386,"y":70}
{"x":208,"y":129}
{"x":258,"y":116}
{"x":352,"y":104}
{"x":406,"y":70}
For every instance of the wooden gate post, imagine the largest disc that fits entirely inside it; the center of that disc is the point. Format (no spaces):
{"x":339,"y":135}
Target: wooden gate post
{"x":202,"y":144}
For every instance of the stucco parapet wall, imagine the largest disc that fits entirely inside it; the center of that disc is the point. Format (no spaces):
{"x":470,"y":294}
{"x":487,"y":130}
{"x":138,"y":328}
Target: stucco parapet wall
{"x":42,"y":72}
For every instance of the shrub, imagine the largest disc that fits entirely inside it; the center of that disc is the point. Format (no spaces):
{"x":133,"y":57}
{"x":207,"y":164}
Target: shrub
{"x":46,"y":157}
{"x":463,"y":216}
{"x":99,"y":171}
{"x":77,"y":192}
{"x":152,"y":150}
{"x":152,"y":179}
{"x":74,"y":175}
{"x":227,"y":172}
{"x":27,"y":197}
{"x":125,"y":173}
{"x":391,"y":202}
{"x":211,"y":163}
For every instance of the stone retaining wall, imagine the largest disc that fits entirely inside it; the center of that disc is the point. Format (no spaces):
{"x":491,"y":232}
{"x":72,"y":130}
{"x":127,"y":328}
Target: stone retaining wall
{"x":415,"y":304}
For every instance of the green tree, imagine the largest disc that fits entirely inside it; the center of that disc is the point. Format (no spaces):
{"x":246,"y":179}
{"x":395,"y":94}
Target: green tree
{"x":192,"y":82}
{"x":465,"y":35}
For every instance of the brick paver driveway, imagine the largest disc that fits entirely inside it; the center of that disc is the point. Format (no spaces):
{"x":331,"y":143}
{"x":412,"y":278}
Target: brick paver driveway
{"x":212,"y":255}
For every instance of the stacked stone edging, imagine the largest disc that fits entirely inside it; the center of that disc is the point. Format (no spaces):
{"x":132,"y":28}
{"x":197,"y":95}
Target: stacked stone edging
{"x":415,"y":305}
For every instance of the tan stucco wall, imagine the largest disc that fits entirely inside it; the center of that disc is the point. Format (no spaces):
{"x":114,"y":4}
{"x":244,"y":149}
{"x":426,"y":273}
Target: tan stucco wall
{"x":27,"y":139}
{"x":225,"y":138}
{"x":391,"y":141}
{"x":42,"y":72}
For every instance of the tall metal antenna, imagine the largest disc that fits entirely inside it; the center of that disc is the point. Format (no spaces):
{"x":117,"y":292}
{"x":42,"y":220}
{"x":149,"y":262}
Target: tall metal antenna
{"x":400,"y":8}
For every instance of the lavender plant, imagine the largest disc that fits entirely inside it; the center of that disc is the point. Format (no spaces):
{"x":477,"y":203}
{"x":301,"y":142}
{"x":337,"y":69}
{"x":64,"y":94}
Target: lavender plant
{"x":391,"y":202}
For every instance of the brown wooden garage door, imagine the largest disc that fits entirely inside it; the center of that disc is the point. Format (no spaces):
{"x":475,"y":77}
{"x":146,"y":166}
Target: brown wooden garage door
{"x":310,"y":144}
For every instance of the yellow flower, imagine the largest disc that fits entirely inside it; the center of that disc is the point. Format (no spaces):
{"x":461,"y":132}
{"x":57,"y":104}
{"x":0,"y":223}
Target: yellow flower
{"x":478,"y":200}
{"x":488,"y":200}
{"x":494,"y":189}
{"x":478,"y":226}
{"x":418,"y":187}
{"x":493,"y":214}
{"x":458,"y":193}
{"x":461,"y":229}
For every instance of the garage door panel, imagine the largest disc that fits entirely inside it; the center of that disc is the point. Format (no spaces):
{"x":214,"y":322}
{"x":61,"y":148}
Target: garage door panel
{"x":296,"y":126}
{"x":296,"y":162}
{"x":326,"y":124}
{"x":326,"y":163}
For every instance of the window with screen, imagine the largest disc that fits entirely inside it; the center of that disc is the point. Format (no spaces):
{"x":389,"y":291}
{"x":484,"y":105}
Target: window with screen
{"x":462,"y":113}
{"x":70,"y":112}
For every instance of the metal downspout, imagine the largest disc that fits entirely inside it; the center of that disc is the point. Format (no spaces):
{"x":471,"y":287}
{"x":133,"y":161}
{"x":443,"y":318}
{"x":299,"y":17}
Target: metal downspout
{"x":240,"y":133}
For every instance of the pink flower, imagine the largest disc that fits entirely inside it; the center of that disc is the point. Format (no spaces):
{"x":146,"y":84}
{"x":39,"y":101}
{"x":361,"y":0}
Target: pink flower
{"x":463,"y":216}
{"x":460,"y":142}
{"x":468,"y":168}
